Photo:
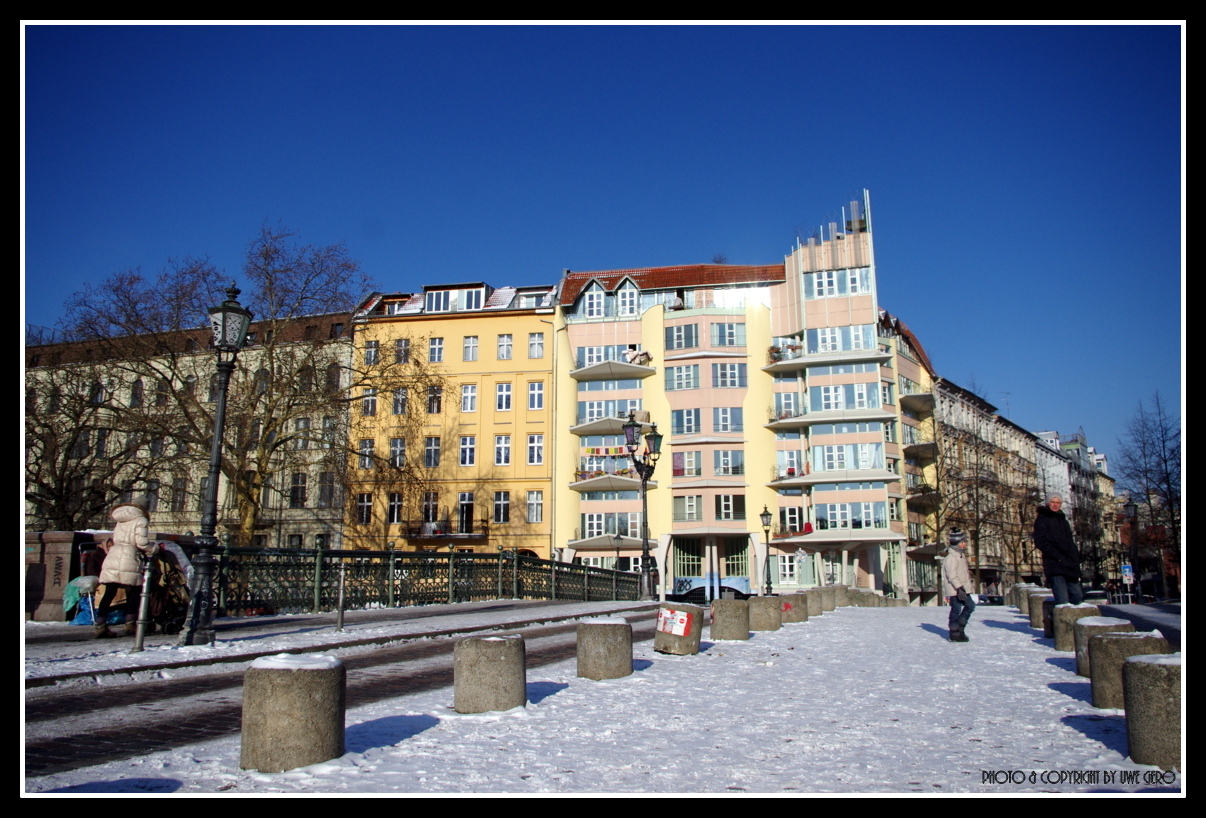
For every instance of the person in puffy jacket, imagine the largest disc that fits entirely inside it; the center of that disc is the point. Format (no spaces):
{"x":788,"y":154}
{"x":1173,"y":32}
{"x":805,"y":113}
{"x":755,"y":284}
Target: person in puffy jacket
{"x":122,"y":569}
{"x":956,"y":586}
{"x":1061,"y":557}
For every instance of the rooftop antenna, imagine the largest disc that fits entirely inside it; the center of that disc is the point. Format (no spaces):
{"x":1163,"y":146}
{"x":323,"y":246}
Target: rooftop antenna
{"x":1008,"y":413}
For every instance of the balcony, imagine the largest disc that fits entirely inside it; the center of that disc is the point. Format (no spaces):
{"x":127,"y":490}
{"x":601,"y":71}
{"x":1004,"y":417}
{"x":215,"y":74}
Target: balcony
{"x":616,"y":366}
{"x":923,"y":497}
{"x":917,"y":446}
{"x":449,"y":530}
{"x":802,"y":416}
{"x":918,"y":401}
{"x":812,"y":477}
{"x":786,"y":476}
{"x":608,"y":480}
{"x":792,"y":357}
{"x":608,"y":424}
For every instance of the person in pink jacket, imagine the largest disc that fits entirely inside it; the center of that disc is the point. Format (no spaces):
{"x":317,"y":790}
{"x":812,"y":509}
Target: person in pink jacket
{"x":122,"y":569}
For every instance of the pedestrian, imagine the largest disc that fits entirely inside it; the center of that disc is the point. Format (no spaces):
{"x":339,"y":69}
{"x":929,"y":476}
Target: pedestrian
{"x":1061,"y":558}
{"x":956,"y":580}
{"x":122,"y":569}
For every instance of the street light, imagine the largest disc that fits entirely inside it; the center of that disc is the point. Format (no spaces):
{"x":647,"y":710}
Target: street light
{"x":230,"y":321}
{"x":766,"y":518}
{"x":615,"y":569}
{"x":644,"y":465}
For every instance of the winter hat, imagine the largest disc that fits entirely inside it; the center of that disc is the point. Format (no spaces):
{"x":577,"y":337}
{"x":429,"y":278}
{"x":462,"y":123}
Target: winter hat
{"x":957,"y":538}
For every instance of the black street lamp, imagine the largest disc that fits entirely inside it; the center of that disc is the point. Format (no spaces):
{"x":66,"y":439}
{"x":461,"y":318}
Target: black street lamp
{"x":615,"y":569}
{"x":230,"y":321}
{"x":644,"y":465}
{"x":766,"y":518}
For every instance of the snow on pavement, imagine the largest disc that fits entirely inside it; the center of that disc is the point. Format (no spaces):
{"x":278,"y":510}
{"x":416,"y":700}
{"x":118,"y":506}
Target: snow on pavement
{"x":859,"y":700}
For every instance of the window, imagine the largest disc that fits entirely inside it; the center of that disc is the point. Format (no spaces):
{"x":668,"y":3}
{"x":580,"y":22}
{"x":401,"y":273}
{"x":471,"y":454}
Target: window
{"x":727,"y":419}
{"x":158,"y":446}
{"x":502,"y":506}
{"x":435,"y":398}
{"x":368,"y":403}
{"x":397,"y":452}
{"x":730,"y":507}
{"x":535,"y":507}
{"x":728,"y":376}
{"x":372,"y":352}
{"x":297,"y":491}
{"x":535,"y":450}
{"x":688,"y":508}
{"x":431,"y":452}
{"x":438,"y":301}
{"x":684,"y":422}
{"x":435,"y":350}
{"x":394,"y":507}
{"x":791,"y":520}
{"x":334,"y":377}
{"x":469,"y":348}
{"x":682,"y":377}
{"x":163,"y":390}
{"x":136,"y":393}
{"x":728,"y":462}
{"x":431,"y":506}
{"x":336,"y":330}
{"x":301,"y":434}
{"x":832,"y":397}
{"x":469,"y":397}
{"x":401,"y":400}
{"x":364,"y":508}
{"x":305,"y":379}
{"x":787,"y":568}
{"x":179,"y":493}
{"x":326,"y":489}
{"x":465,"y":512}
{"x":366,"y":454}
{"x":593,"y":303}
{"x":504,"y":347}
{"x":683,"y":336}
{"x":628,"y":300}
{"x":502,"y":397}
{"x":728,"y":335}
{"x":502,"y":450}
{"x":328,"y":431}
{"x":885,"y":394}
{"x":686,"y":464}
{"x":829,"y":340}
{"x":402,"y":351}
{"x":472,"y":299}
{"x":535,"y":344}
{"x":468,"y":450}
{"x":536,"y":395}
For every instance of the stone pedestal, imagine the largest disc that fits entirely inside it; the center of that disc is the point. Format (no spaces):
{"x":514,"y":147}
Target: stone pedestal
{"x":1091,"y":626}
{"x":841,"y":596}
{"x":1034,"y":606}
{"x":604,"y":648}
{"x":1024,"y":597}
{"x":764,"y":613}
{"x":293,"y":712}
{"x":793,"y":608}
{"x":1065,"y":618}
{"x":1108,"y":653}
{"x":828,"y":597}
{"x":1016,"y":593}
{"x":1048,"y":617}
{"x":812,"y":598}
{"x":1152,"y":689}
{"x":730,"y":619}
{"x":679,"y":627}
{"x":489,"y":673}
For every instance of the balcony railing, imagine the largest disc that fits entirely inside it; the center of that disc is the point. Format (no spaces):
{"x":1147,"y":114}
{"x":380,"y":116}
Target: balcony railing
{"x":442,"y":529}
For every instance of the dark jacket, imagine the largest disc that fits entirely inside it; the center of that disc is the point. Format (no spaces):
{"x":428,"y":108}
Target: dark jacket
{"x":1053,"y":537}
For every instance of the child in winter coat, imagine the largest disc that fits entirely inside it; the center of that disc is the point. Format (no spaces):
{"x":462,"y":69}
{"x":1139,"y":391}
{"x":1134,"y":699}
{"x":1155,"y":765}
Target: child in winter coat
{"x":122,"y":569}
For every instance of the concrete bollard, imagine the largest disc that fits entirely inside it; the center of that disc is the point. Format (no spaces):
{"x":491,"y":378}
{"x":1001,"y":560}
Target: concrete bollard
{"x":1048,"y":617}
{"x":1065,"y":618}
{"x":489,"y":673}
{"x":730,"y":619}
{"x":841,"y":596}
{"x":1016,"y":592}
{"x":604,"y":648}
{"x":1108,"y":653}
{"x":293,"y":712}
{"x":1034,"y":606}
{"x":764,"y":613}
{"x":1089,"y":626}
{"x":679,"y":627}
{"x":1024,"y":598}
{"x":812,"y":598}
{"x":1152,"y":690}
{"x":828,"y":597}
{"x":793,"y":608}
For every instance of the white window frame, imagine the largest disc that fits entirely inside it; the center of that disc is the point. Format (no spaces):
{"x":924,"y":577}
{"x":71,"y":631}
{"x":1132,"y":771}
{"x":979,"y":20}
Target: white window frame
{"x":468,"y":397}
{"x":372,"y":352}
{"x":502,"y":397}
{"x":502,"y":450}
{"x":535,"y":507}
{"x":536,"y":395}
{"x":469,"y":348}
{"x":468,"y":451}
{"x":505,"y":347}
{"x":435,"y":350}
{"x":628,"y":300}
{"x":592,"y":303}
{"x":535,"y":450}
{"x":535,"y":344}
{"x":366,"y":453}
{"x":397,"y":452}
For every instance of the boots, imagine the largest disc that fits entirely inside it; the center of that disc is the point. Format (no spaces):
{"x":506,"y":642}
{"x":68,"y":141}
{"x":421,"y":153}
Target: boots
{"x":957,"y":634}
{"x":103,"y":632}
{"x":131,"y":628}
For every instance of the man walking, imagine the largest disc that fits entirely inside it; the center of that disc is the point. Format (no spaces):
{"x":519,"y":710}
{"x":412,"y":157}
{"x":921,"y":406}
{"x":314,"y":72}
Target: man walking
{"x":1061,"y":558}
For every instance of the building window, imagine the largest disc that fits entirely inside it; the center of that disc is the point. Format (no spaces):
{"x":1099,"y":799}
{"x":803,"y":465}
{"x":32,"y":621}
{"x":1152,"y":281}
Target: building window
{"x":366,"y":454}
{"x":627,"y":300}
{"x":728,"y":376}
{"x":728,"y":335}
{"x":326,"y":489}
{"x":730,"y":507}
{"x":688,"y":508}
{"x":684,"y":422}
{"x":502,"y":397}
{"x":402,"y":351}
{"x":504,"y":347}
{"x":394,"y":507}
{"x":401,"y":400}
{"x":536,"y":395}
{"x":502,"y":450}
{"x":535,"y":344}
{"x":435,"y":399}
{"x":885,"y":394}
{"x":301,"y":434}
{"x":535,"y":507}
{"x":469,"y":397}
{"x":469,"y":348}
{"x":297,"y":491}
{"x":431,"y":506}
{"x":328,"y":431}
{"x":431,"y":452}
{"x":372,"y":352}
{"x":438,"y":301}
{"x":727,"y":419}
{"x":593,"y":303}
{"x":685,"y":464}
{"x":397,"y":452}
{"x":728,"y":462}
{"x":468,"y":450}
{"x":179,"y":493}
{"x":364,"y":508}
{"x":465,"y":512}
{"x":435,"y":350}
{"x":502,"y":506}
{"x":683,"y":336}
{"x":137,"y":391}
{"x":535,"y":450}
{"x":682,"y":377}
{"x":368,"y":403}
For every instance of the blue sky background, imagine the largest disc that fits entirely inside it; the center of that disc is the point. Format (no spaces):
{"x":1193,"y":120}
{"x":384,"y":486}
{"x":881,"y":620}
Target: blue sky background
{"x":1026,"y":181}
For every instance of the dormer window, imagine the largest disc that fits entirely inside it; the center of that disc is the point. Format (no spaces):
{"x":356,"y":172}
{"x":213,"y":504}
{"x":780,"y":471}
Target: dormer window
{"x":627,"y":300}
{"x":592,"y":305}
{"x":438,"y":301}
{"x":471,"y":299}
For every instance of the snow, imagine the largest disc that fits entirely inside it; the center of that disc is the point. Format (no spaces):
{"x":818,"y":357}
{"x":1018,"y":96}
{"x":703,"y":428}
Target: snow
{"x":859,"y":700}
{"x":294,"y":661}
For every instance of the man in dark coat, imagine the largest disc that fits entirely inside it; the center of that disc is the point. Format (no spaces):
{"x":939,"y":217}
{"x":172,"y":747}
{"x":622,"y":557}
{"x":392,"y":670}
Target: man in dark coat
{"x":1061,"y":558}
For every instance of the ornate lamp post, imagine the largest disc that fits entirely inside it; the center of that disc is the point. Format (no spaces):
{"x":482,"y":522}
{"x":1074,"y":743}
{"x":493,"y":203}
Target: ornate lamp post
{"x":230,"y":322}
{"x":644,"y":465}
{"x":766,"y":518}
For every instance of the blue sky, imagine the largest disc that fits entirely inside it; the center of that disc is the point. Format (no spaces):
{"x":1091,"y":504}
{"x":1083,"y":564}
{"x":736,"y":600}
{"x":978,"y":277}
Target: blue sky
{"x":1026,"y":181}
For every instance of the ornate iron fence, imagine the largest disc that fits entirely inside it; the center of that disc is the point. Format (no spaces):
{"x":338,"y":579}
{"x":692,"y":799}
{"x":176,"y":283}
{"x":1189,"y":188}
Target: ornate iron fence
{"x":283,"y":580}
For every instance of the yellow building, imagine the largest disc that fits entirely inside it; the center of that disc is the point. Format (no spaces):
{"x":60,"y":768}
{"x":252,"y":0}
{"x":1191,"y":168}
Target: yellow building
{"x":454,"y":448}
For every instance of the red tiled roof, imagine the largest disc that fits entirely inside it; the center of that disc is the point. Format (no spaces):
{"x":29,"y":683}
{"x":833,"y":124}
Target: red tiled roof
{"x":664,"y":278}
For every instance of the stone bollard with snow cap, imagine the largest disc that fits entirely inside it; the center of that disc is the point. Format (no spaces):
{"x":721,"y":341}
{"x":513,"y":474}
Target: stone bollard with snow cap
{"x":1108,"y":653}
{"x":828,"y":598}
{"x":293,"y":712}
{"x":604,"y":648}
{"x":1152,"y":689}
{"x":1089,"y":626}
{"x":730,"y":619}
{"x":812,"y":598}
{"x":489,"y":673}
{"x":679,"y":628}
{"x":765,"y":614}
{"x":1065,"y":617}
{"x":1034,"y":606}
{"x":793,"y":608}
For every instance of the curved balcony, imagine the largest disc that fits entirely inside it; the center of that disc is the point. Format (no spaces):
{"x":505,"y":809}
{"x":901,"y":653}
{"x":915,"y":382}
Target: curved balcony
{"x":917,"y":401}
{"x":804,"y":417}
{"x":792,"y":357}
{"x":923,"y":498}
{"x":607,"y":425}
{"x":621,"y":480}
{"x":616,"y":366}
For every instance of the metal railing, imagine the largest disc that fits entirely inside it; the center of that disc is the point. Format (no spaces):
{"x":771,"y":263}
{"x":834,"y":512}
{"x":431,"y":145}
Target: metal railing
{"x":283,"y":580}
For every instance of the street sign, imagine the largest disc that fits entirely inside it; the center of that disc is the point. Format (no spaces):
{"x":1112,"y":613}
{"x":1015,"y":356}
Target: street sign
{"x":1128,"y":574}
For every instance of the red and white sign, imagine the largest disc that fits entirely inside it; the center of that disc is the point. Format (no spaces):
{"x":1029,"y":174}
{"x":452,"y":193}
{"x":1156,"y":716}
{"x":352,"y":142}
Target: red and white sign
{"x":676,"y":623}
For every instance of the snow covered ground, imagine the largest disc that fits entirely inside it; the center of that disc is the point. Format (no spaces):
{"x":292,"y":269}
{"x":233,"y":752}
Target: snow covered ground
{"x":860,"y":700}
